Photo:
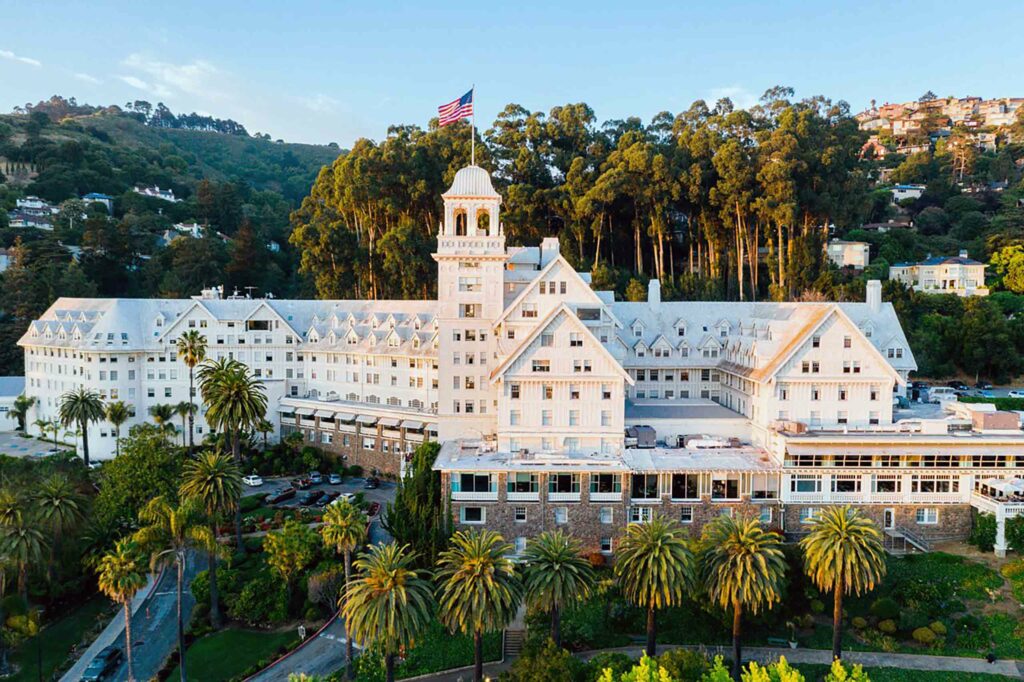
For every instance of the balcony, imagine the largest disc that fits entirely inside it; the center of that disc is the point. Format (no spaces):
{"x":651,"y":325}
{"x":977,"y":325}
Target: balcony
{"x":486,"y":496}
{"x":606,"y":497}
{"x":563,"y":497}
{"x":524,"y":496}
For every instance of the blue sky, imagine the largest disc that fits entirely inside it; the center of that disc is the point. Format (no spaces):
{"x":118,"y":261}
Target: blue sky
{"x":337,"y":71}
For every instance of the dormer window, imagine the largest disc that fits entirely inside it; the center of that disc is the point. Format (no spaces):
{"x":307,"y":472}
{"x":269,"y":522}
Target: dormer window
{"x":159,"y":322}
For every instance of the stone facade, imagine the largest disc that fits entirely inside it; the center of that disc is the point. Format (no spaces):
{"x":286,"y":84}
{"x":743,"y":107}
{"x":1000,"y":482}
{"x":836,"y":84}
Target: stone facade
{"x":952,"y":521}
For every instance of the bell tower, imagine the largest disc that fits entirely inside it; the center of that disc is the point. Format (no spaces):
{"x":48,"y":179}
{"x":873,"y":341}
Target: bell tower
{"x":470,"y":291}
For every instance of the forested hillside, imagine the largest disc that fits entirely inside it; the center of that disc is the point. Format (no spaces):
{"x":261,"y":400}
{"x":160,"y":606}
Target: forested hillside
{"x":240,"y":188}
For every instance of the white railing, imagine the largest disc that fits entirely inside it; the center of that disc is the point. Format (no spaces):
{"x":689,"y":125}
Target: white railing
{"x":886,"y":498}
{"x":606,"y":497}
{"x":475,"y":496}
{"x":563,"y":497}
{"x":524,"y":497}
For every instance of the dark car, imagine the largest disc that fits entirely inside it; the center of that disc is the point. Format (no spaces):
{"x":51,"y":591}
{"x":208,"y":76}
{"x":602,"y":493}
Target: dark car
{"x":327,"y":498}
{"x":372,"y":483}
{"x":104,"y":665}
{"x":983,"y":385}
{"x":958,"y":385}
{"x":919,"y":385}
{"x":309,"y":498}
{"x":301,"y":483}
{"x":315,"y":478}
{"x":280,"y":495}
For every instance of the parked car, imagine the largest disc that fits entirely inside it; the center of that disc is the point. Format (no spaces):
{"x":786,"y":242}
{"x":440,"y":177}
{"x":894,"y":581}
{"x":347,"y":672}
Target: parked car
{"x":343,"y":497}
{"x":104,"y":665}
{"x":327,"y":498}
{"x":1015,"y":394}
{"x":983,"y":385}
{"x":280,"y":495}
{"x":372,"y":483}
{"x":301,"y":483}
{"x":310,"y":497}
{"x":373,"y":510}
{"x":316,"y":478}
{"x":900,"y":402}
{"x":253,"y":480}
{"x":920,"y":385}
{"x":334,"y":479}
{"x":939,"y":394}
{"x":957,"y":385}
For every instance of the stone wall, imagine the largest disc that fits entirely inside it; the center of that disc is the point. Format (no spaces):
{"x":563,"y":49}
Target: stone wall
{"x":954,"y":520}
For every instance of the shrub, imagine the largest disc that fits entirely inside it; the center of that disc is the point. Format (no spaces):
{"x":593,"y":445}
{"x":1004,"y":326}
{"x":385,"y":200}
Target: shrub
{"x":312,"y":614}
{"x":262,"y":600}
{"x":924,"y":636}
{"x":938,"y":628}
{"x":596,"y":559}
{"x":1013,"y":570}
{"x":983,"y":534}
{"x":684,"y":665}
{"x":617,"y":663}
{"x":250,"y":503}
{"x":547,"y":664}
{"x":888,"y":626}
{"x":201,"y":587}
{"x":912,"y":619}
{"x":807,"y":621}
{"x":859,"y":623}
{"x":325,"y":587}
{"x":817,"y":606}
{"x":885,"y":608}
{"x":355,"y":471}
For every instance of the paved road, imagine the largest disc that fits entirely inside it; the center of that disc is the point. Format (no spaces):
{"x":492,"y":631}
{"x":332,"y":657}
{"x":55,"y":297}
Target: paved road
{"x":15,"y":445}
{"x":1009,"y":668}
{"x":154,"y":627}
{"x":323,"y":654}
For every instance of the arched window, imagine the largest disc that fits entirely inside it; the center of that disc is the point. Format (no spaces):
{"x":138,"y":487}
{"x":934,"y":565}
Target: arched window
{"x":461,"y":223}
{"x":483,"y":221}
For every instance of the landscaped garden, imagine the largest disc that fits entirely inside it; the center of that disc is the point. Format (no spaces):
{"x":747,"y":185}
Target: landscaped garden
{"x":234,"y":653}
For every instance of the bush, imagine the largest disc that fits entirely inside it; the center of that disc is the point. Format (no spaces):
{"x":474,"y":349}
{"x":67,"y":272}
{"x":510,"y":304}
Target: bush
{"x":684,"y":665}
{"x":817,"y":606}
{"x":262,"y":600}
{"x":888,"y":626}
{"x":938,"y":628}
{"x":859,"y":623}
{"x":355,"y":471}
{"x":1013,"y":570}
{"x":924,"y":636}
{"x":617,"y":663}
{"x":201,"y":587}
{"x":312,"y":614}
{"x":547,"y":664}
{"x":912,"y":619}
{"x":250,"y":503}
{"x":325,"y":587}
{"x":983,"y":534}
{"x":596,"y":559}
{"x":885,"y":608}
{"x":807,"y":621}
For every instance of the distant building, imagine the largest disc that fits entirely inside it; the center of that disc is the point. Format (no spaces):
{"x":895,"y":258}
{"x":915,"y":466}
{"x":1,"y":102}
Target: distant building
{"x":5,"y":259}
{"x":157,"y":193}
{"x":958,"y":275}
{"x":902,"y":223}
{"x":901,"y":192}
{"x":34,"y":204}
{"x":97,"y":198}
{"x":10,"y":388}
{"x":32,"y":211}
{"x":846,"y":254}
{"x":193,"y":229}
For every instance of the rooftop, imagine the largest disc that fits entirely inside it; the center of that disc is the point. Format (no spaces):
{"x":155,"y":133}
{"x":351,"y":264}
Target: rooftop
{"x":681,"y":409}
{"x":11,"y":386}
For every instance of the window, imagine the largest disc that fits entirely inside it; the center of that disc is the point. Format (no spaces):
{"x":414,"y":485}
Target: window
{"x":545,"y":418}
{"x":928,"y":516}
{"x":574,"y":417}
{"x":606,"y":545}
{"x":530,"y":310}
{"x":881,"y":484}
{"x":607,"y":515}
{"x":808,"y":514}
{"x":606,"y":418}
{"x":846,"y":484}
{"x":727,"y":488}
{"x":522,"y":483}
{"x":644,"y":487}
{"x":873,"y":392}
{"x":474,"y":483}
{"x":473,"y":515}
{"x":640,"y":514}
{"x":815,"y":393}
{"x":815,"y":341}
{"x":513,"y":391}
{"x":520,"y":545}
{"x":575,"y":340}
{"x":574,"y":391}
{"x":514,"y":418}
{"x":685,"y":487}
{"x":547,"y":339}
{"x":686,"y":515}
{"x":805,"y":484}
{"x":561,"y":515}
{"x":564,"y":483}
{"x":842,"y":392}
{"x":541,"y":365}
{"x":765,"y":516}
{"x":847,"y":342}
{"x":520,"y":514}
{"x":605,"y":483}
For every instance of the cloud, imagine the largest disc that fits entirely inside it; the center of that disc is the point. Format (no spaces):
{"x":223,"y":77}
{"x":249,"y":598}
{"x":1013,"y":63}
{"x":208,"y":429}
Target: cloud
{"x":740,"y":96}
{"x":86,"y":78}
{"x":319,"y":103}
{"x":7,"y":54}
{"x":197,"y":77}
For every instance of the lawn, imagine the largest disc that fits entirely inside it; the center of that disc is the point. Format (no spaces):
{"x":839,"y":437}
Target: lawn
{"x":58,"y":639}
{"x":435,"y":650}
{"x":228,"y":654}
{"x":817,"y":672}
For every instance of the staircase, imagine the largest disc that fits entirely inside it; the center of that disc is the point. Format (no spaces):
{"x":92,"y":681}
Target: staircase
{"x":513,"y":643}
{"x":901,"y":540}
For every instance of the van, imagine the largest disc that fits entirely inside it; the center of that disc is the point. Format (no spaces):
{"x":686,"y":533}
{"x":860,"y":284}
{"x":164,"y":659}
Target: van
{"x":941,"y":394}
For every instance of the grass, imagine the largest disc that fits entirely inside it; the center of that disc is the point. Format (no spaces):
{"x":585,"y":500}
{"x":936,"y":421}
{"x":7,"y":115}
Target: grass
{"x":58,"y":638}
{"x":812,"y":672}
{"x":227,"y":654}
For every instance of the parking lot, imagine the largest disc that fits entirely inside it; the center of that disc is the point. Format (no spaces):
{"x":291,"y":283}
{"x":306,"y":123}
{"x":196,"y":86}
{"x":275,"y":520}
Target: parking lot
{"x":13,"y":444}
{"x":382,"y":495}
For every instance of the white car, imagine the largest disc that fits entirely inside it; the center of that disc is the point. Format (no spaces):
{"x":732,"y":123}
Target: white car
{"x":253,"y":480}
{"x":1015,"y":394}
{"x":344,"y":497}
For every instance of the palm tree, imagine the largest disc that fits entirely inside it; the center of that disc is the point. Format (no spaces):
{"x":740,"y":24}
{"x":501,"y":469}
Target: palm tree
{"x":79,"y":408}
{"x":172,"y":532}
{"x":479,"y":589}
{"x":655,"y":567}
{"x":344,"y":529}
{"x":43,"y":425}
{"x":843,"y":553}
{"x":23,"y":543}
{"x":184,"y":409}
{"x":117,"y":415}
{"x":192,"y":351}
{"x":10,"y":515}
{"x":265,"y":428}
{"x":163,"y":416}
{"x":390,"y":602}
{"x":556,"y":574}
{"x":22,"y":404}
{"x":235,"y":402}
{"x":213,"y":480}
{"x":121,"y":574}
{"x":742,"y":567}
{"x":60,"y":508}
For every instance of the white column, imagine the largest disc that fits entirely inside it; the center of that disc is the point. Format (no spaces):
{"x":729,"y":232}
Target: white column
{"x":1000,"y":546}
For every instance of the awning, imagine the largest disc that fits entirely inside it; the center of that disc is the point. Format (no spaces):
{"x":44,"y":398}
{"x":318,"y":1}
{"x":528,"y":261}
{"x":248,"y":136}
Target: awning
{"x":304,"y":411}
{"x":367,"y":419}
{"x":957,"y":448}
{"x":325,"y":414}
{"x":390,"y":422}
{"x":285,"y":409}
{"x":412,"y":425}
{"x":345,"y":417}
{"x":1004,"y":485}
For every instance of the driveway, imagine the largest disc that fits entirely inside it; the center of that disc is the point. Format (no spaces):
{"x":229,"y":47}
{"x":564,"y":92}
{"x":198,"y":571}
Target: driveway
{"x":15,"y":445}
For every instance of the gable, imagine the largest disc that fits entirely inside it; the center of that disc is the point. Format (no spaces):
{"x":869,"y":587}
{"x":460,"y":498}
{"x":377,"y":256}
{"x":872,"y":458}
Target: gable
{"x":561,"y":284}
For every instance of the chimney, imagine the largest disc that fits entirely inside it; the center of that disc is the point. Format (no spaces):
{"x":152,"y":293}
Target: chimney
{"x":874,"y":295}
{"x":654,"y":293}
{"x":963,"y":253}
{"x":548,"y":250}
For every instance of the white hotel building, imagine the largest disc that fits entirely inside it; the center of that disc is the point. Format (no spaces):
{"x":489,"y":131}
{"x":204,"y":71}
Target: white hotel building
{"x":558,"y":406}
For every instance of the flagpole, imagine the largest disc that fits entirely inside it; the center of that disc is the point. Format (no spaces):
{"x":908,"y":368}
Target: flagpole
{"x":472,"y":128}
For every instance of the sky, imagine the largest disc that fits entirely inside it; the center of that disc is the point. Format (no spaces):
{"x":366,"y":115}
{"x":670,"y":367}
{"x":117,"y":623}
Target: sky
{"x":337,"y":71}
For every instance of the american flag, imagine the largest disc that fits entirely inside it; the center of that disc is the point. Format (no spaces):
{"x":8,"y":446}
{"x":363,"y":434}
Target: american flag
{"x":457,"y":110}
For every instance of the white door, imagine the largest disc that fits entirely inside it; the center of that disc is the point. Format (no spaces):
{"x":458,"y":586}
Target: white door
{"x":889,"y":518}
